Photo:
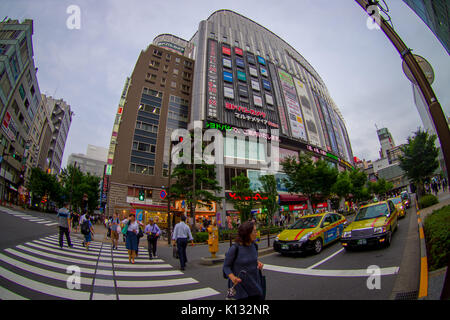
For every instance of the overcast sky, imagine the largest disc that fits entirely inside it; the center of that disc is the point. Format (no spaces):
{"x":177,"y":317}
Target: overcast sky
{"x":360,"y":67}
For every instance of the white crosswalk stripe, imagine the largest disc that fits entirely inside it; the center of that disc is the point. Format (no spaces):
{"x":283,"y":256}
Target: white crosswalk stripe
{"x":38,"y":269}
{"x":30,"y":218}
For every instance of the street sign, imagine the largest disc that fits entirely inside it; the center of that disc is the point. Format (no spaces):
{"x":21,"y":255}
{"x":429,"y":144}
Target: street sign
{"x":162,"y":194}
{"x":424,"y":65}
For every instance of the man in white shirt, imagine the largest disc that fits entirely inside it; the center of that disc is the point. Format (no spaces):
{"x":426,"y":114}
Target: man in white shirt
{"x":181,"y":235}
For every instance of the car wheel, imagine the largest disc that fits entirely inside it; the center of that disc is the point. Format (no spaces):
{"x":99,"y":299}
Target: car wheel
{"x":318,"y":245}
{"x":388,"y":238}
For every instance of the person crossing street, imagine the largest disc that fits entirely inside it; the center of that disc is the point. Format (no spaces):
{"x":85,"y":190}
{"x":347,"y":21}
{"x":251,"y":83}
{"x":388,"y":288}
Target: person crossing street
{"x":152,"y":231}
{"x":64,"y":225}
{"x":181,"y":235}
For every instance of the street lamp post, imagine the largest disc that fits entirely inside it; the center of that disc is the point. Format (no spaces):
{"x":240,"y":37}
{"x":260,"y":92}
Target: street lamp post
{"x":437,"y":115}
{"x":168,"y":193}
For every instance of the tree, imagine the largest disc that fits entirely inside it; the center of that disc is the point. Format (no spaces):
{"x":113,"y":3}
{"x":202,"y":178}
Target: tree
{"x":43,"y":184}
{"x":243,"y":201}
{"x":343,"y":186}
{"x":325,"y":176}
{"x":269,"y":190}
{"x":301,"y":176}
{"x":380,"y":187}
{"x":206,"y":185}
{"x":360,"y":191}
{"x":419,"y":159}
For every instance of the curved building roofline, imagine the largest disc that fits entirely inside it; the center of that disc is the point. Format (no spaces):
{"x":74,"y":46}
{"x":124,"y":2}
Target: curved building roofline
{"x":168,"y":34}
{"x":242,"y":16}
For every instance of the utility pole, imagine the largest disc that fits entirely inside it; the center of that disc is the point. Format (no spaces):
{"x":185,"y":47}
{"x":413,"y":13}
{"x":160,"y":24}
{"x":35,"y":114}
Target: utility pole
{"x":437,"y":115}
{"x":168,"y":193}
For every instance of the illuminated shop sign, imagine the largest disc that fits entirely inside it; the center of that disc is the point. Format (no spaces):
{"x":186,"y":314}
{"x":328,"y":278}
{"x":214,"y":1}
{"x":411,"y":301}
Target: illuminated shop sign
{"x":264,"y":72}
{"x":241,"y":109}
{"x":240,"y":62}
{"x":257,"y":100}
{"x":241,"y":76}
{"x":253,"y":72}
{"x":212,"y":80}
{"x":269,"y":99}
{"x":238,"y":51}
{"x":256,"y":197}
{"x":245,"y":132}
{"x":251,"y":59}
{"x":226,"y":50}
{"x":227,"y":76}
{"x":227,"y":63}
{"x":255,"y":85}
{"x":266,"y":85}
{"x":170,"y":45}
{"x":228,"y":92}
{"x":261,"y":60}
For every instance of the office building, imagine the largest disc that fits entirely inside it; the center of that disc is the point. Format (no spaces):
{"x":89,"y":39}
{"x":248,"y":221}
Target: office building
{"x":93,"y":162}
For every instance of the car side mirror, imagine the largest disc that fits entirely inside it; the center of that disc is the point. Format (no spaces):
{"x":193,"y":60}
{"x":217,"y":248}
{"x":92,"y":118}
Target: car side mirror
{"x":325,"y":224}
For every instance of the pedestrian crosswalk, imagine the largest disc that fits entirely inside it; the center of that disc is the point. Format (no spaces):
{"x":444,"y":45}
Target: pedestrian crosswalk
{"x":40,"y":269}
{"x":30,"y":218}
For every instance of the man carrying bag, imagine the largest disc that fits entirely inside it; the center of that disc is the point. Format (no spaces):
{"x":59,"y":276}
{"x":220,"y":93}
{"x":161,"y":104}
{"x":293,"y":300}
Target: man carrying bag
{"x":152,"y":231}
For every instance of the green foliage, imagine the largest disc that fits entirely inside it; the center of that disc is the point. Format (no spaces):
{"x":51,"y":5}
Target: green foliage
{"x":244,"y":202}
{"x":43,"y":184}
{"x":200,"y":237}
{"x":343,"y":185}
{"x":314,"y":180}
{"x":427,"y":201}
{"x":419,"y":159}
{"x":380,"y":187}
{"x":436,"y":227}
{"x":269,"y":189}
{"x":75,"y":184}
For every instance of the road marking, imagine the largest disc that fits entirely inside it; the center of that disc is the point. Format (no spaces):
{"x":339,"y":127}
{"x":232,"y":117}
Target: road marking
{"x":8,"y":295}
{"x":423,"y":285}
{"x":181,"y":295}
{"x":47,"y":263}
{"x":329,"y":273}
{"x":147,"y":273}
{"x":41,"y":287}
{"x":326,"y":259}
{"x":155,"y":283}
{"x":51,"y":224}
{"x":42,"y":272}
{"x":57,"y":257}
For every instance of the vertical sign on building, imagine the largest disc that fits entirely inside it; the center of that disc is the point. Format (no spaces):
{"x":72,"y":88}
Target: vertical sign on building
{"x":281,"y":112}
{"x":322,"y":121}
{"x":293,"y":107}
{"x":329,"y":125}
{"x":337,"y":131}
{"x":211,"y":90}
{"x":308,"y":115}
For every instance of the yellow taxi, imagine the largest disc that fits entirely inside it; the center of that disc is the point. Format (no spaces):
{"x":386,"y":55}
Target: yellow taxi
{"x":310,"y":233}
{"x":400,"y":205}
{"x":373,"y":225}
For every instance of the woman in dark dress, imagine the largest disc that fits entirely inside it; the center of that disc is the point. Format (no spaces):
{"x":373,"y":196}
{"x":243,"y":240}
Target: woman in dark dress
{"x":242,"y":267}
{"x":131,"y":239}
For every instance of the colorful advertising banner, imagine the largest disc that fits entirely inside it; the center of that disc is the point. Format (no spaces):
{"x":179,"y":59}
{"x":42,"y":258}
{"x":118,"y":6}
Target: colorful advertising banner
{"x":337,"y":131}
{"x":322,"y":122}
{"x":211,"y":93}
{"x":308,"y":115}
{"x":293,"y":106}
{"x":329,"y":125}
{"x":281,"y":111}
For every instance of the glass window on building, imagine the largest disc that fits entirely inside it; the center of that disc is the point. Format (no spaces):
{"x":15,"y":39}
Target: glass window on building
{"x":24,"y":51}
{"x":5,"y":84}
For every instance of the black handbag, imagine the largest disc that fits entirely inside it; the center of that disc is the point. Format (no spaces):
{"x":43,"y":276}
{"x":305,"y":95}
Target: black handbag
{"x":140,"y":233}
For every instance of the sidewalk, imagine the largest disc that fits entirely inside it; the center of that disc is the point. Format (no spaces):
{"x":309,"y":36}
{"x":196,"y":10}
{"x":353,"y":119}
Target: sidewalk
{"x":436,"y":278}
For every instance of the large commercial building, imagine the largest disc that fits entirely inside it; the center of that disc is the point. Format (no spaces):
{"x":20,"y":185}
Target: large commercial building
{"x":19,"y":101}
{"x":436,"y":15}
{"x":245,"y":80}
{"x":93,"y":162}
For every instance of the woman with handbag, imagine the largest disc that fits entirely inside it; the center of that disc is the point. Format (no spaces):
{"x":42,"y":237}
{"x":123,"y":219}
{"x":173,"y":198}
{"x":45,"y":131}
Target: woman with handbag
{"x":152,"y":231}
{"x":242,"y":268}
{"x":132,"y":230}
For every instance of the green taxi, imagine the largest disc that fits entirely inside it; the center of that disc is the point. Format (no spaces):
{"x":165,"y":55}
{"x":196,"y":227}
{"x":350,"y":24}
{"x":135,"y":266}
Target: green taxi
{"x":310,"y":233}
{"x":373,"y":225}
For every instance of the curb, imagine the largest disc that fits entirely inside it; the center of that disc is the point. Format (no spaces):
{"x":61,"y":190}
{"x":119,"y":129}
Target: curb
{"x":423,"y":286}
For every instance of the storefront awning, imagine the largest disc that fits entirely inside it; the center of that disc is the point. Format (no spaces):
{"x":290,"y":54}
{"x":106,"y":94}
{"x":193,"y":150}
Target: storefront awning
{"x":292,"y":198}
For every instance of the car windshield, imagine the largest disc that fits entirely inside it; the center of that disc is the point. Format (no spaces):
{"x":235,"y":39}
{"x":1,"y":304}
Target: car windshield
{"x":372,"y":212}
{"x":306,"y":223}
{"x":396,"y":200}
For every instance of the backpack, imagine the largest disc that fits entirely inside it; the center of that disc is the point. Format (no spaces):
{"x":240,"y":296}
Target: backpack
{"x":85,"y":227}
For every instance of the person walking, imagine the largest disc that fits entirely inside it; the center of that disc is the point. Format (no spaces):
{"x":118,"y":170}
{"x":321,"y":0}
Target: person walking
{"x":152,"y":231}
{"x":87,"y":229}
{"x":114,"y":225}
{"x":242,"y":267}
{"x":131,"y":238}
{"x":181,"y":235}
{"x":64,"y":225}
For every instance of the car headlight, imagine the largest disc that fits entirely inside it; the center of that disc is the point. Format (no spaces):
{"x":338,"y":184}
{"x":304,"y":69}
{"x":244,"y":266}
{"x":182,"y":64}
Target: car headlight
{"x":401,"y":207}
{"x":347,"y":234}
{"x":306,"y":237}
{"x":379,"y":230}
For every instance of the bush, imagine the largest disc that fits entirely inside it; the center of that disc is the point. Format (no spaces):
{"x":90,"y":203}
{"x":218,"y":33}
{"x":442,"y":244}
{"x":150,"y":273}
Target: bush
{"x":427,"y":201}
{"x":437,"y":235}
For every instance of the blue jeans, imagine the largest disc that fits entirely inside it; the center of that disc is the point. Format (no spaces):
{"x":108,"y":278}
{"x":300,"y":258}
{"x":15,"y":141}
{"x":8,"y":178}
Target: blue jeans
{"x":181,"y":247}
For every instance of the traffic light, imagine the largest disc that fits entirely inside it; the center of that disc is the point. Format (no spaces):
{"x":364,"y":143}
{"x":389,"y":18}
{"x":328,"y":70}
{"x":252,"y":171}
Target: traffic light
{"x":141,"y":195}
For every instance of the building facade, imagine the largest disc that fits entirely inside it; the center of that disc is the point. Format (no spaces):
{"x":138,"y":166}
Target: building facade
{"x":19,"y":101}
{"x":247,"y":83}
{"x":155,"y":100}
{"x":436,"y":15}
{"x":60,"y":118}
